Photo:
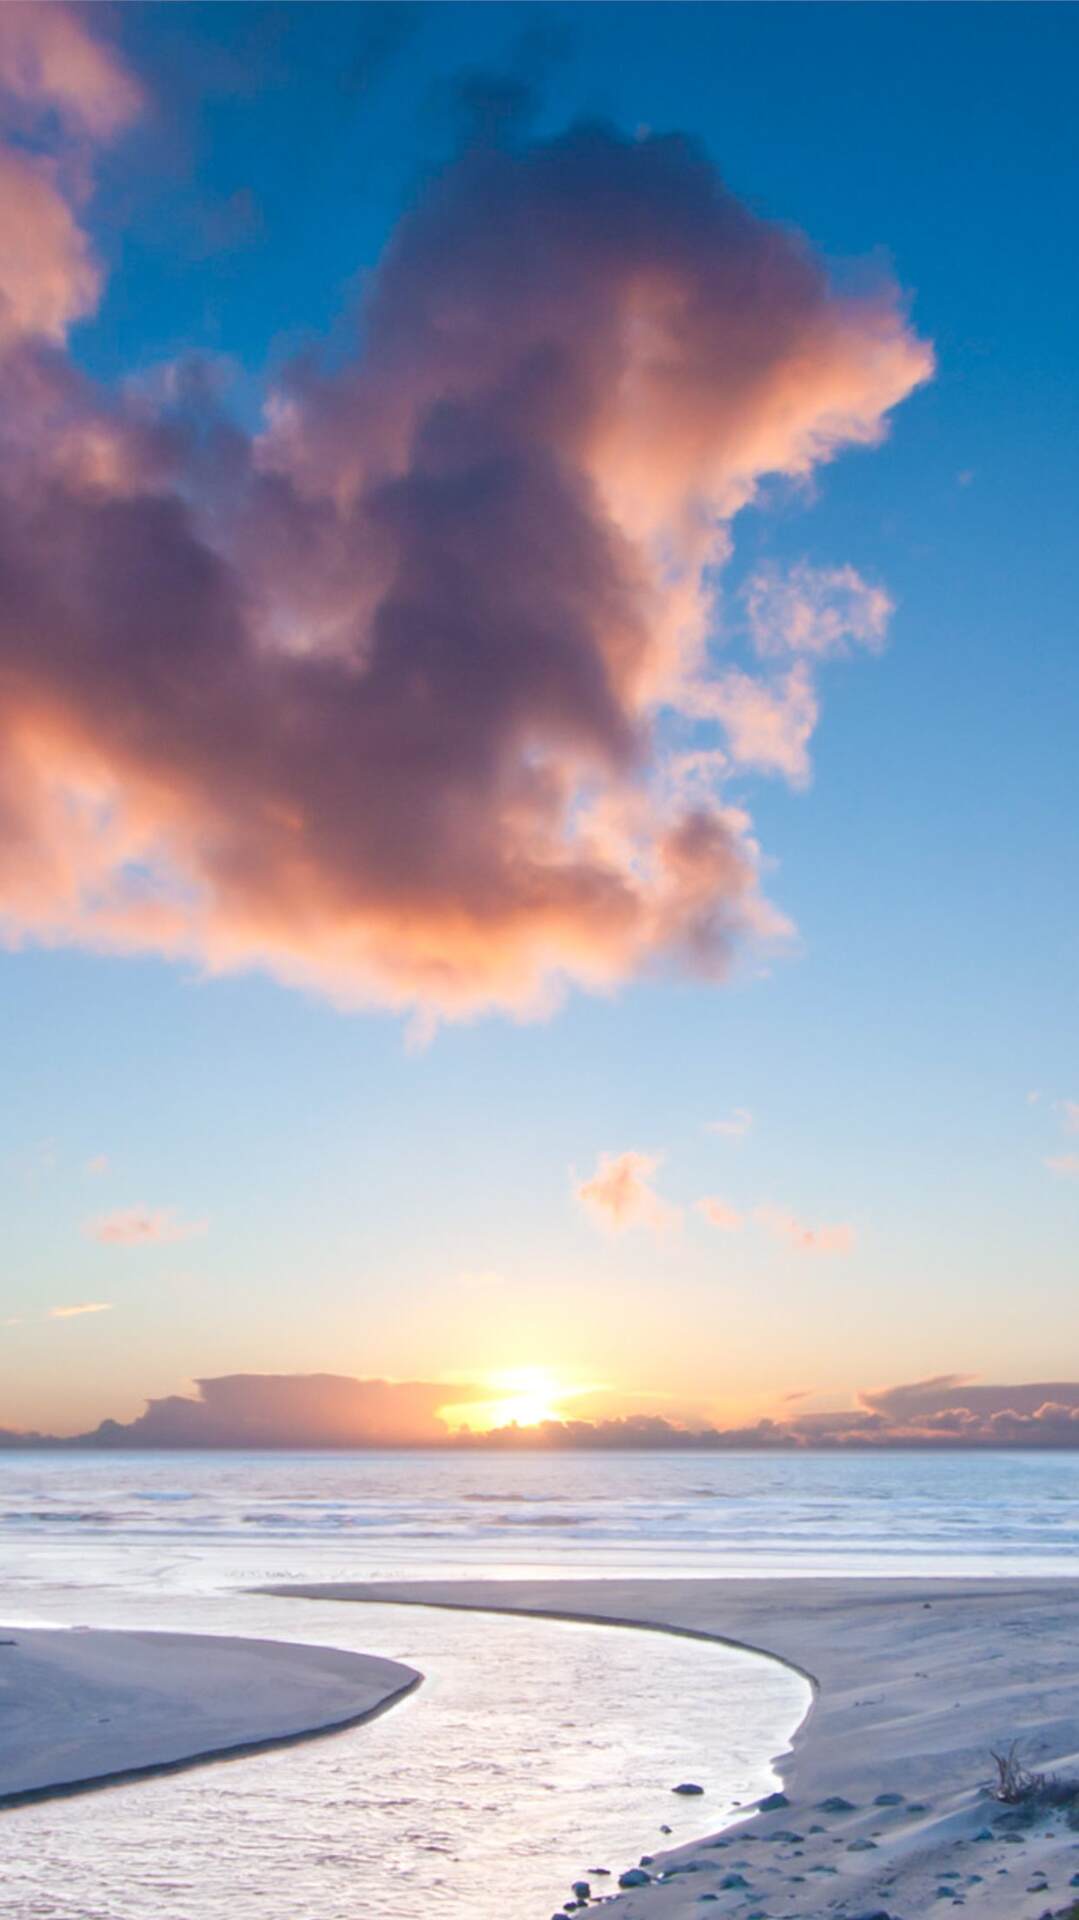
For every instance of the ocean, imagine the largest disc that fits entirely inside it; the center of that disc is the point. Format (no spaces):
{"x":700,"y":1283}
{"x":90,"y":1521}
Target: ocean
{"x":534,"y":1751}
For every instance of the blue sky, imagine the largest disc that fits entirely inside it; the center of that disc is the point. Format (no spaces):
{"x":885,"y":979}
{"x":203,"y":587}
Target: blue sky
{"x":375,"y":1207}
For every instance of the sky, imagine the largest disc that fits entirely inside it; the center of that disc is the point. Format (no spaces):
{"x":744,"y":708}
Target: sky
{"x":537,"y":698}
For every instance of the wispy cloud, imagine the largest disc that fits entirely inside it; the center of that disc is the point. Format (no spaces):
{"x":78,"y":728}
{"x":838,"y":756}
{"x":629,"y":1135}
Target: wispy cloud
{"x":817,"y":611}
{"x":1069,"y":1115}
{"x":836,"y":1238}
{"x":737,"y":1123}
{"x":82,"y":1306}
{"x":620,"y":1192}
{"x":1066,"y":1165}
{"x":719,"y":1214}
{"x":142,"y":1226}
{"x":98,"y":1163}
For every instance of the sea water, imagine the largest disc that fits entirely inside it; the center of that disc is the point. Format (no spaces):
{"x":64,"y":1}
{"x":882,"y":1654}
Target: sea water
{"x":534,"y":1751}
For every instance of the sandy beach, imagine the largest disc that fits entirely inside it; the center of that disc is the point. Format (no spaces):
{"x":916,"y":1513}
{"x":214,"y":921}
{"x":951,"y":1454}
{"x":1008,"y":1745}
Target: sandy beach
{"x":83,"y":1709}
{"x":885,"y":1807}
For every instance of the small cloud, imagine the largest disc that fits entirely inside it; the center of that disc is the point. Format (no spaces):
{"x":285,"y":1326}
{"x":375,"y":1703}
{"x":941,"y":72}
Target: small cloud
{"x":98,"y":1163}
{"x":1064,"y":1164}
{"x":14,"y":1321}
{"x":1069,"y":1114}
{"x":83,"y":1306}
{"x":1033,"y":1097}
{"x":620,"y":1193}
{"x":837,"y":1238}
{"x":719,"y":1214}
{"x":964,"y":477}
{"x":737,"y":1123}
{"x":142,"y":1226}
{"x":819,"y":611}
{"x":803,"y":1393}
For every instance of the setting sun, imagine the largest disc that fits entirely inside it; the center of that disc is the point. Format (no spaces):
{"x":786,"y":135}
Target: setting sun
{"x":521,"y":1396}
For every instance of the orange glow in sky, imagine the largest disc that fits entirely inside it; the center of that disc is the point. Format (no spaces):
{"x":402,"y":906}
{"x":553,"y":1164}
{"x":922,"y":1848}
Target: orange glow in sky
{"x":521,"y":1395}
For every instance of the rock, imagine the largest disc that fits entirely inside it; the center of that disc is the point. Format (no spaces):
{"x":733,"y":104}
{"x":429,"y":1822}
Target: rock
{"x":889,"y":1799}
{"x":1074,"y":1881}
{"x":646,"y":1859}
{"x":634,"y":1877}
{"x":861,"y":1846}
{"x":687,"y":1786}
{"x":835,"y":1803}
{"x":772,"y":1803}
{"x":984,"y":1833}
{"x":785,"y":1834}
{"x":582,"y":1890}
{"x":665,"y":1829}
{"x":733,"y":1880}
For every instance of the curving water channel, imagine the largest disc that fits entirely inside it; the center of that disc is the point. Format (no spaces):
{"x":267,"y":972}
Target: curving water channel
{"x":535,"y":1751}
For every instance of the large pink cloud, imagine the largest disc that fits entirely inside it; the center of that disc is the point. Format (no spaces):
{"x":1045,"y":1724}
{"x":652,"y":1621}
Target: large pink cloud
{"x":378,"y":700}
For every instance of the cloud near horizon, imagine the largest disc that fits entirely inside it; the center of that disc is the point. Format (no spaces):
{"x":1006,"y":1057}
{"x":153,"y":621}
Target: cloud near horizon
{"x":334,"y":1410}
{"x":380,"y":698}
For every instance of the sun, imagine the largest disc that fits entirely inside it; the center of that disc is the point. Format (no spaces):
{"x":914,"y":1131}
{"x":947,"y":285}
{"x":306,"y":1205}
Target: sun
{"x":520,"y":1396}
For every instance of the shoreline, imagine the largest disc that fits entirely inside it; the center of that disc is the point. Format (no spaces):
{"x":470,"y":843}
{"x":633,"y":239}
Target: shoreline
{"x":885,"y":1809}
{"x":169,"y":1701}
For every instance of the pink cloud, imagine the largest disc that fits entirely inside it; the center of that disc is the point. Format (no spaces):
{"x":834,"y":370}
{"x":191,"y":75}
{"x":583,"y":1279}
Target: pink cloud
{"x":719,"y":1214}
{"x":84,"y":1306}
{"x":817,"y":611}
{"x":767,"y":725}
{"x":737,"y":1123}
{"x":838,"y":1238}
{"x":98,"y":1163}
{"x":1069,"y":1114}
{"x":372,"y":700}
{"x":48,"y":59}
{"x":48,"y":277}
{"x":620,"y":1192}
{"x":142,"y":1226}
{"x":1064,"y":1164}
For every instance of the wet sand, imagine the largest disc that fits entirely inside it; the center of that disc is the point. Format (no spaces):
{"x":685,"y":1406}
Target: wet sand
{"x":886,"y":1809}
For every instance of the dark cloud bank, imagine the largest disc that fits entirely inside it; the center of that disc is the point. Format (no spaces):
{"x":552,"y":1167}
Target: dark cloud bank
{"x":250,"y":1410}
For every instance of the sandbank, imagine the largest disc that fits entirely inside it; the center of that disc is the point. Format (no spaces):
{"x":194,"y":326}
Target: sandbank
{"x":81,"y":1709}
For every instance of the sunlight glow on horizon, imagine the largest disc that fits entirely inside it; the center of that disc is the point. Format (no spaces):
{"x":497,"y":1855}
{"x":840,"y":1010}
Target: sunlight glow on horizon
{"x":525,"y":1397}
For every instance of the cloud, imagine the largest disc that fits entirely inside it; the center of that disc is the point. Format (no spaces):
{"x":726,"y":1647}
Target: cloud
{"x":838,"y":1238}
{"x":378,"y":699}
{"x":83,"y":1306}
{"x":1064,"y":1164}
{"x":738,"y":1122}
{"x":291,"y":1410}
{"x":817,"y":611}
{"x":142,"y":1226}
{"x":98,"y":1163}
{"x":620,"y":1194}
{"x":1069,"y":1114}
{"x":768,"y":725}
{"x":54,"y":77}
{"x":719,"y":1214}
{"x":49,"y":60}
{"x":333,"y":1410}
